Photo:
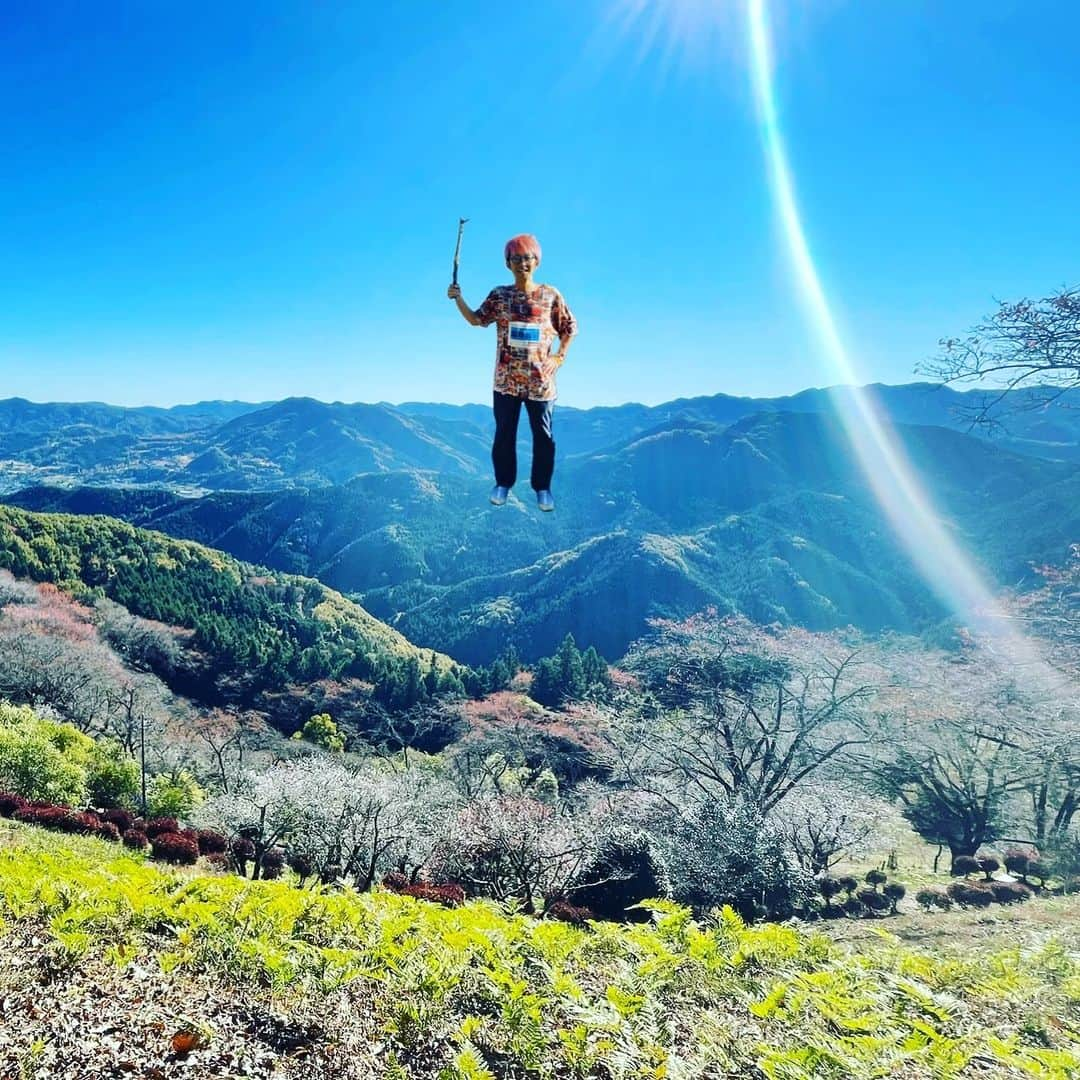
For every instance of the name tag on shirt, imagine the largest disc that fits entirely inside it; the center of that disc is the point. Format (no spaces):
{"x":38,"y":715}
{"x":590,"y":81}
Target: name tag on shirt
{"x":523,"y":335}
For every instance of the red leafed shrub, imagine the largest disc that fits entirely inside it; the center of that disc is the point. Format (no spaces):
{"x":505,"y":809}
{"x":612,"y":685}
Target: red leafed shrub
{"x":567,"y":912}
{"x":1009,"y":892}
{"x":1017,"y":860}
{"x":10,"y":803}
{"x":964,"y":865}
{"x":156,"y":826}
{"x":107,"y":830}
{"x":449,"y":894}
{"x":273,"y":862}
{"x":83,"y":822}
{"x":59,"y":819}
{"x":954,"y":889}
{"x":41,"y":814}
{"x":243,"y":851}
{"x":970,"y":894}
{"x":174,"y":848}
{"x":136,"y":839}
{"x":873,"y":900}
{"x":302,"y":864}
{"x":219,"y":861}
{"x":212,"y":843}
{"x":395,"y":881}
{"x":122,"y":819}
{"x":928,"y":899}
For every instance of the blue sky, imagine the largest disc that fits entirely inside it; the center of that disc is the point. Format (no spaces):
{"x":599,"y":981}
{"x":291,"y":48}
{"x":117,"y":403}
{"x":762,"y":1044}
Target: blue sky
{"x":230,"y":201}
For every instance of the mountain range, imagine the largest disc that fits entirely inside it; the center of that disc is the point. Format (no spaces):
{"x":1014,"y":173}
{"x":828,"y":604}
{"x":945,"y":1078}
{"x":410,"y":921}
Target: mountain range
{"x":743,"y":504}
{"x":239,"y":446}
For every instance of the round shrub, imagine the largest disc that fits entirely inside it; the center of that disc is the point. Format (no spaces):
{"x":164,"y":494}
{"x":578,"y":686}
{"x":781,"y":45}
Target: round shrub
{"x":122,"y":819}
{"x":273,"y":862}
{"x":136,"y":839}
{"x":1039,"y":871}
{"x":108,"y":831}
{"x":1017,"y":861}
{"x":1009,"y":892}
{"x":829,"y":887}
{"x":721,"y":852}
{"x":970,"y":896}
{"x":894,"y":892}
{"x":876,"y":878}
{"x":42,"y":759}
{"x":848,"y":883}
{"x":155,"y":826}
{"x":171,"y":847}
{"x":211,"y":842}
{"x":989,"y":866}
{"x":219,"y":862}
{"x":112,"y":778}
{"x":964,"y":865}
{"x":874,"y":901}
{"x":174,"y":796}
{"x":955,"y":890}
{"x":854,"y":908}
{"x":929,"y":899}
{"x":625,"y":872}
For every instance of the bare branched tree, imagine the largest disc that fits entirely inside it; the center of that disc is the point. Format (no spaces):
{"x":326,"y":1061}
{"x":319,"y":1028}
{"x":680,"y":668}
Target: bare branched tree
{"x":728,"y":709}
{"x":1031,"y":346}
{"x":982,"y":742}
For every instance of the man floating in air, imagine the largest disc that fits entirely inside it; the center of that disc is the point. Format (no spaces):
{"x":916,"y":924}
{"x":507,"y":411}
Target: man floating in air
{"x":529,"y":317}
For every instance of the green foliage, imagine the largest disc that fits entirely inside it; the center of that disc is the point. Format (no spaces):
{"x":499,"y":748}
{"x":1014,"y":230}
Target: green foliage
{"x":569,"y":675}
{"x":112,"y":778}
{"x":173,"y":796}
{"x":43,"y":760}
{"x":322,"y":731}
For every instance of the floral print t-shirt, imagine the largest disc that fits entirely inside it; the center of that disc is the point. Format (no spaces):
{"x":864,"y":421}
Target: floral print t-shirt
{"x":527,"y":329}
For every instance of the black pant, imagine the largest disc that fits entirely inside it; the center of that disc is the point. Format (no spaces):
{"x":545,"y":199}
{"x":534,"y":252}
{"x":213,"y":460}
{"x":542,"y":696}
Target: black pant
{"x":504,"y":449}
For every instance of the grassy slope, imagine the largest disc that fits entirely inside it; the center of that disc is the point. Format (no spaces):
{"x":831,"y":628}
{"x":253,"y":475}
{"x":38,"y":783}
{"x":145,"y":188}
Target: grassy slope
{"x":106,"y":957}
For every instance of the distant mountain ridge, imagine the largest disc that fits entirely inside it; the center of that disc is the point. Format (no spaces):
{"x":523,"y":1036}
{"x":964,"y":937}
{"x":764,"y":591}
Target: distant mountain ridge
{"x":769,"y":514}
{"x":301,"y":442}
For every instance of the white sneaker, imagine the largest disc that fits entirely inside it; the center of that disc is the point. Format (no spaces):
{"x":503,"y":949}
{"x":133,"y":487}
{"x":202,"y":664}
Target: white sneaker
{"x":544,"y":500}
{"x":498,"y":495}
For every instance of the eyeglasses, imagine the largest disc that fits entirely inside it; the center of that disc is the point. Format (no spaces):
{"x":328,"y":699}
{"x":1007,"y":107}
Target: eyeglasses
{"x":522,"y":258}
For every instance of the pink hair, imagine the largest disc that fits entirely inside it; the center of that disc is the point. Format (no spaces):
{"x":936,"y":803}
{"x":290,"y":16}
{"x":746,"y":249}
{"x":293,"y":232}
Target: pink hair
{"x":522,"y":244}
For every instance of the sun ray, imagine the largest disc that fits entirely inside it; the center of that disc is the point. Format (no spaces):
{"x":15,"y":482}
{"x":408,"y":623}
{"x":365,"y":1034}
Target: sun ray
{"x":950,"y":572}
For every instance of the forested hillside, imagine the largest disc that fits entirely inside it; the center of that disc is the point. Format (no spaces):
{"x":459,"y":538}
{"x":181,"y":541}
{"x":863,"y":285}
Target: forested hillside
{"x":250,"y":628}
